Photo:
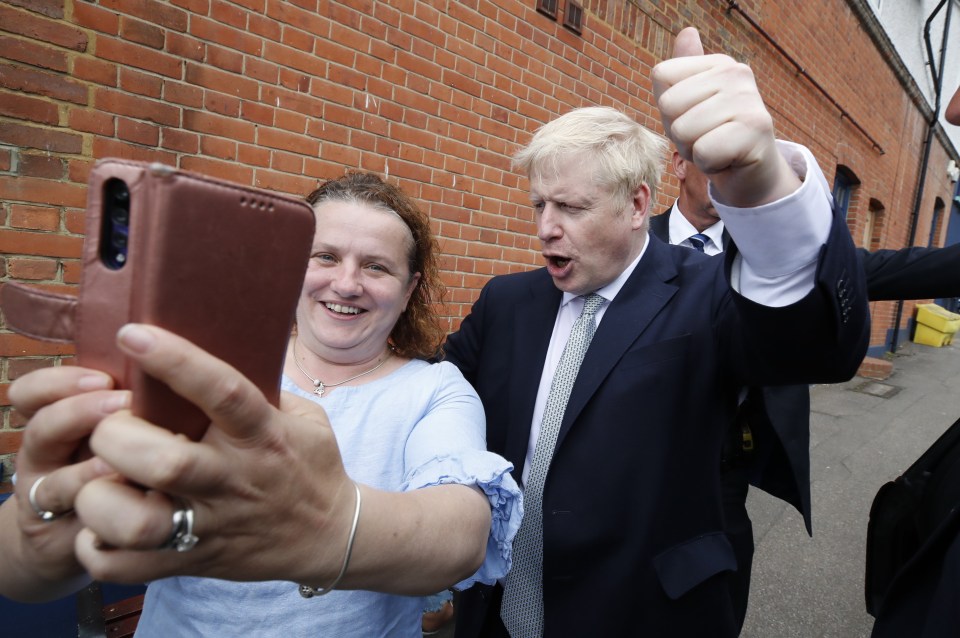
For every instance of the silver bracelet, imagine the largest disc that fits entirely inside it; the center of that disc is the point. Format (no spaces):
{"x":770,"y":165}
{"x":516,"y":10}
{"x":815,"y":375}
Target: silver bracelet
{"x":309,"y":592}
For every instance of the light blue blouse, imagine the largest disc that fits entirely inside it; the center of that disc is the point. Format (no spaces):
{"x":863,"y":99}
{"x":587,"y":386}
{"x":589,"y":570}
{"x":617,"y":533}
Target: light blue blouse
{"x":421,"y":425}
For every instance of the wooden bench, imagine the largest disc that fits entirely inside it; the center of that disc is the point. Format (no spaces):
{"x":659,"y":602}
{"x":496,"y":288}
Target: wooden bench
{"x":112,"y":620}
{"x":120,"y":618}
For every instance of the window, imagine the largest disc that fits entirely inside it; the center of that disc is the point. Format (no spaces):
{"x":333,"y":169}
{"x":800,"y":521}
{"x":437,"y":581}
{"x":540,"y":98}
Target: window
{"x":548,"y":8}
{"x":871,"y":230}
{"x":842,"y":189}
{"x":938,"y":208}
{"x":572,"y":13}
{"x":573,"y":16}
{"x":848,"y":202}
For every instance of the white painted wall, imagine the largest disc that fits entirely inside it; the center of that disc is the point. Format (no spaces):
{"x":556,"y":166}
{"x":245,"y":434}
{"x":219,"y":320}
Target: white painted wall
{"x":904,"y":20}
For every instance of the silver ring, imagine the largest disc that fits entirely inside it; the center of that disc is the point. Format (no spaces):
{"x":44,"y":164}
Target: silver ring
{"x":45,"y":515}
{"x":182,"y":537}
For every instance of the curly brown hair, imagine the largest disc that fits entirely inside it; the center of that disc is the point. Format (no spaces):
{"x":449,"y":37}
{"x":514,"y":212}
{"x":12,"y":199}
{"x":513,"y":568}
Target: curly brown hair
{"x":417,"y":333}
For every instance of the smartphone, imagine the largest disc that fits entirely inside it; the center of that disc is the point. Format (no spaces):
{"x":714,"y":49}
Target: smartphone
{"x":219,"y":264}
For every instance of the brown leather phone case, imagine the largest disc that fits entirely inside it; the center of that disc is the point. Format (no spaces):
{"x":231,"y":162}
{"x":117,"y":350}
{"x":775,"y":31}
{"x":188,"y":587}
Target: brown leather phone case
{"x":220,"y":264}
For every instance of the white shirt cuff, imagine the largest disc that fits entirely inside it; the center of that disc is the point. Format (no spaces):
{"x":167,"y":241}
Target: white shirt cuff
{"x":780,"y":242}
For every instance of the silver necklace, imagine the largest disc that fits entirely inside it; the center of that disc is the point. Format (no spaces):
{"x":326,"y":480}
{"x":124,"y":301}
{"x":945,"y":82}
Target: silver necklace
{"x":318,"y":385}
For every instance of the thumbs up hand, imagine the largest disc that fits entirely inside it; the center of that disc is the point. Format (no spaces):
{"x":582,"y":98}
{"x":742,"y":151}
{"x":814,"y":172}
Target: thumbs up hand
{"x":712,"y":111}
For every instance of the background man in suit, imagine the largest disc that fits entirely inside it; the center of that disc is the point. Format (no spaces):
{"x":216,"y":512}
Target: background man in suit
{"x":630,"y":422}
{"x":768,"y":442}
{"x":693,"y":220}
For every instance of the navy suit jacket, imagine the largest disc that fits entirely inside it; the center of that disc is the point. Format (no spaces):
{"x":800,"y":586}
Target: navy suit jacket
{"x":633,"y":525}
{"x":780,"y":423}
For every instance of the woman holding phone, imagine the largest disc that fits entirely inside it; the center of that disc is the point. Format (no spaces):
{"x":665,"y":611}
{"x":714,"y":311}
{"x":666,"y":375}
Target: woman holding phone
{"x":370,"y":483}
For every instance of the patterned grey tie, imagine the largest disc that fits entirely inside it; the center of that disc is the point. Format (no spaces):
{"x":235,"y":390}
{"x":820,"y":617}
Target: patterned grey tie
{"x":522,"y":607}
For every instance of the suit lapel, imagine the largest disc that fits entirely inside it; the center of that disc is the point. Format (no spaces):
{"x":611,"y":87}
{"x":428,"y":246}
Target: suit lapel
{"x":532,"y":330}
{"x":637,"y":304}
{"x":725,"y":239}
{"x":660,"y":226}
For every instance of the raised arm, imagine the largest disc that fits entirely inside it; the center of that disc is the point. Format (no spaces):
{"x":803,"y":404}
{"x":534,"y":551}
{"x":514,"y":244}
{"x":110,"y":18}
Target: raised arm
{"x":771,"y":195}
{"x":791,"y":251}
{"x":712,"y":111}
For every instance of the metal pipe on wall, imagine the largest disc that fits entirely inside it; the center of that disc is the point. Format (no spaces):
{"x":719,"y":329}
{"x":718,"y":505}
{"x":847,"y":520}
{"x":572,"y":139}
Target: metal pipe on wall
{"x":937,"y":73}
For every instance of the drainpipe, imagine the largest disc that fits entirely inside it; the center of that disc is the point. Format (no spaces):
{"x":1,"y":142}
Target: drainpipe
{"x":937,"y":73}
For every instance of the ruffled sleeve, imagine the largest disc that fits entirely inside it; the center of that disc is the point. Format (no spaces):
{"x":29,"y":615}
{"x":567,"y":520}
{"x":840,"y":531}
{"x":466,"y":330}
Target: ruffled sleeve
{"x":448,"y":446}
{"x":490,"y":473}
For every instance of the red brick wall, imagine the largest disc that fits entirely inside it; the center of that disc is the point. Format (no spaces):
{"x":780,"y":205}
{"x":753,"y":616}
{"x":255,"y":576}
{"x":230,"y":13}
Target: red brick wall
{"x":436,"y":95}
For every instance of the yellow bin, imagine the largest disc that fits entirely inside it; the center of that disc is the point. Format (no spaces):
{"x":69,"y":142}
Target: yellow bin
{"x":935,"y":325}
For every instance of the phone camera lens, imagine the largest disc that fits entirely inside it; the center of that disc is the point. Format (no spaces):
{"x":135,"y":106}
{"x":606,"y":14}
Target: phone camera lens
{"x":118,"y":191}
{"x":115,"y":223}
{"x":119,"y":240}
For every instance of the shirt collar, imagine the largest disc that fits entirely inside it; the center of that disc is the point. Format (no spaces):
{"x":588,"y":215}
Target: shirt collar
{"x":681,"y":229}
{"x":610,"y":291}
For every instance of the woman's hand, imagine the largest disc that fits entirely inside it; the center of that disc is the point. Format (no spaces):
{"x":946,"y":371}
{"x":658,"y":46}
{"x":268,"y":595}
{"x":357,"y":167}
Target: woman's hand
{"x":63,"y":405}
{"x":267,"y":486}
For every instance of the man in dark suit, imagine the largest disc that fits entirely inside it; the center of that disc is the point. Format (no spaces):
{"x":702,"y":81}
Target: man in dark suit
{"x":623,"y":526}
{"x":693,"y":220}
{"x":768,"y":443}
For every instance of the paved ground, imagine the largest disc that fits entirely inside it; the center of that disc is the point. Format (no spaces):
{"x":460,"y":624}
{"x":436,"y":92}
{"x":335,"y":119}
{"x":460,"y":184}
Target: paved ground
{"x":863,"y":434}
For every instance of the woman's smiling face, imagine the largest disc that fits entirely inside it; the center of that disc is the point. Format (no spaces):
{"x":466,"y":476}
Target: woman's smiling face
{"x":358,"y":281}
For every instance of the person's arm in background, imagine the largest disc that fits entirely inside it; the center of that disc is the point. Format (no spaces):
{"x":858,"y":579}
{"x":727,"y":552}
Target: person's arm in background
{"x":912,"y":273}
